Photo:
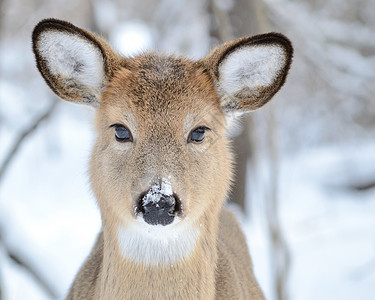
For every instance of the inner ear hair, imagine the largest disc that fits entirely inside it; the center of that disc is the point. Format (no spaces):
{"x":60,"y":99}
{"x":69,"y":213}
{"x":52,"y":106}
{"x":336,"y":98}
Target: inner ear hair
{"x":74,"y":62}
{"x":249,"y":71}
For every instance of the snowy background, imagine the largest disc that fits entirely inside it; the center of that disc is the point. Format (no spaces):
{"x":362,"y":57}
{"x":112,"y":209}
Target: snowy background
{"x":309,"y":182}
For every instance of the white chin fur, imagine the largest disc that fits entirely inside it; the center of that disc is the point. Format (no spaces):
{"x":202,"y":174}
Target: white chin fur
{"x":251,"y":67}
{"x":157,"y":244}
{"x":72,"y":57}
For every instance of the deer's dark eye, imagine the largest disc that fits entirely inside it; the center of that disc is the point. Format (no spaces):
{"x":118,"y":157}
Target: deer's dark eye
{"x":122,"y":133}
{"x":197,"y":135}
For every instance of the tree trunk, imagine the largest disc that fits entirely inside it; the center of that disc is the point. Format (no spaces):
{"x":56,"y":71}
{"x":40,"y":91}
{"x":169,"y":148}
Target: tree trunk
{"x":240,"y":20}
{"x":247,"y":18}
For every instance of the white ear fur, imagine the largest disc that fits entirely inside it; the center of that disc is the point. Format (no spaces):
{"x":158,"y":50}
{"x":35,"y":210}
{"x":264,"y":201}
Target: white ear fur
{"x":251,"y":68}
{"x":73,"y":59}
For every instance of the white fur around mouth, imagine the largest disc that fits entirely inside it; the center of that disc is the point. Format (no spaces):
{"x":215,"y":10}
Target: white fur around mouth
{"x":157,"y":244}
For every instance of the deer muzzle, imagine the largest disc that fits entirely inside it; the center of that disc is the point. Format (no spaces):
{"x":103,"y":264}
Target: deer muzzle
{"x":159,"y":205}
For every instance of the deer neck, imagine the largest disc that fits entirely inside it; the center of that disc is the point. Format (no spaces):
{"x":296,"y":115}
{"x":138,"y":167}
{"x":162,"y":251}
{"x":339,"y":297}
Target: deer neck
{"x":189,"y":276}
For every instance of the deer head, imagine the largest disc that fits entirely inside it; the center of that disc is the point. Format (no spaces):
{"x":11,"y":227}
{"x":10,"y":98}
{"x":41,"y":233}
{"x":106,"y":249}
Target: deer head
{"x":162,"y":158}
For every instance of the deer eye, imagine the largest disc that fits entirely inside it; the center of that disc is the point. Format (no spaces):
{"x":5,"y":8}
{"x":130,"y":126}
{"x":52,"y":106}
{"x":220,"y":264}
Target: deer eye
{"x":122,"y":133}
{"x":197,"y":135}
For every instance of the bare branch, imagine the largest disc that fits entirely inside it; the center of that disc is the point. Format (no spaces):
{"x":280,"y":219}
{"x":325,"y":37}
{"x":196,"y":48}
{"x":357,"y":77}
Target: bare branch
{"x":13,"y":151}
{"x":23,"y":263}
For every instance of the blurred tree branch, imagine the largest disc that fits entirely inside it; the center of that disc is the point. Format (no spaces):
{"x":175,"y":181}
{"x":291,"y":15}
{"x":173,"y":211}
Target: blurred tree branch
{"x":224,"y":27}
{"x":22,"y":136}
{"x":24,"y":264}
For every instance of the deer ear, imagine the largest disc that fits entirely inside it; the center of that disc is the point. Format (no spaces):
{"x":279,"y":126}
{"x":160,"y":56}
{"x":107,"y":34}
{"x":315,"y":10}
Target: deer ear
{"x":74,"y":63}
{"x":248,"y":72}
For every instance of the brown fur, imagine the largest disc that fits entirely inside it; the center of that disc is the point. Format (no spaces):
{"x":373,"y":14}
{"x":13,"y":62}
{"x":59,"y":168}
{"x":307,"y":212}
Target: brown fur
{"x":161,"y":99}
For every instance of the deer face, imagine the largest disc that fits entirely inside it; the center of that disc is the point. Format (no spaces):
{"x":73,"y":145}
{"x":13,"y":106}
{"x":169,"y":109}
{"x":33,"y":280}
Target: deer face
{"x":161,"y":160}
{"x":161,"y":154}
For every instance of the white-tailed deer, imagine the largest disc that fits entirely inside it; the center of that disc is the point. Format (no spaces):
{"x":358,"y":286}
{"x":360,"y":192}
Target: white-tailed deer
{"x":162,"y":164}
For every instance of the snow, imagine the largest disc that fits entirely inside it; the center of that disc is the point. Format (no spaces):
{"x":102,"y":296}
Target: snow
{"x":157,"y":191}
{"x":334,"y":238}
{"x":329,"y":227}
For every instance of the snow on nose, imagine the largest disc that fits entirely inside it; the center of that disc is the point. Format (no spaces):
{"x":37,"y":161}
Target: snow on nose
{"x":159,"y":205}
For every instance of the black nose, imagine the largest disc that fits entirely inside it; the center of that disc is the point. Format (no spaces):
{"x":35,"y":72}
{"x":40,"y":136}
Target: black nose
{"x":160,"y":212}
{"x":157,"y":208}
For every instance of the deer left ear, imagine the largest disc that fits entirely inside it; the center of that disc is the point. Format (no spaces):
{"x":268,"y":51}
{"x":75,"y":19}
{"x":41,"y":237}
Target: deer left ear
{"x":248,"y":72}
{"x":75,"y":63}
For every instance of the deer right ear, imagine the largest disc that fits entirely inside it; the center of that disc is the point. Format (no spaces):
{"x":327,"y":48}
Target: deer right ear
{"x":74,"y":63}
{"x":248,"y":72}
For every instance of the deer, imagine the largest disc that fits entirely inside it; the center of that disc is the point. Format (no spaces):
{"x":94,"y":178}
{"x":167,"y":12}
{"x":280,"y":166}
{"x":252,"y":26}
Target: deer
{"x":162,"y":165}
